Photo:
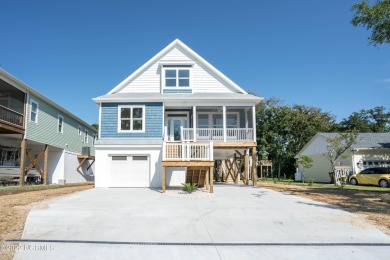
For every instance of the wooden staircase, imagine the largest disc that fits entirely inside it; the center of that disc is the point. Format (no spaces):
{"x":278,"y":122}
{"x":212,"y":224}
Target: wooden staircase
{"x":196,"y":175}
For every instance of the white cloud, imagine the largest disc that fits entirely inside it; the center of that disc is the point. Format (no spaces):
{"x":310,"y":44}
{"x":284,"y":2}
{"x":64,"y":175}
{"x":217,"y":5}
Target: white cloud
{"x":386,"y":80}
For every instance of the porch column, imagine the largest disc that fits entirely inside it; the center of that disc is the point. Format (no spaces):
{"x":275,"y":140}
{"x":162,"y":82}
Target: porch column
{"x":254,"y":166}
{"x":194,"y":121}
{"x":45,"y":164}
{"x":211,"y":174}
{"x":224,"y":122}
{"x":22,"y":160}
{"x":254,"y":122}
{"x":246,"y":167}
{"x":163,"y":178}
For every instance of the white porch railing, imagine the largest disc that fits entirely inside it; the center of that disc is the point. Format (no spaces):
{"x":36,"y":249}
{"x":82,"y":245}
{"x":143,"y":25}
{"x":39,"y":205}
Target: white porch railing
{"x":239,"y":134}
{"x":188,"y":151}
{"x":216,"y":134}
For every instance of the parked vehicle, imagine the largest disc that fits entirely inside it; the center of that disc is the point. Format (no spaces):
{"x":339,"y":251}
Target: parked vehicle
{"x":372,"y":176}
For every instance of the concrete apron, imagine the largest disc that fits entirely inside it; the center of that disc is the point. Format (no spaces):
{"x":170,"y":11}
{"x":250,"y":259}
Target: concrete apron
{"x":237,"y":222}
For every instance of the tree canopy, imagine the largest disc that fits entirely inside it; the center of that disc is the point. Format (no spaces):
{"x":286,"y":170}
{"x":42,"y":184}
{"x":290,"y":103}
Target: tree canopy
{"x":374,"y":17}
{"x":375,"y":120}
{"x":283,"y":130}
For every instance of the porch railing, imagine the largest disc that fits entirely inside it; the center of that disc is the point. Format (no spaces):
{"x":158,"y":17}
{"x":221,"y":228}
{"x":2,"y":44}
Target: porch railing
{"x":187,"y":151}
{"x":11,"y":117}
{"x":217,"y":134}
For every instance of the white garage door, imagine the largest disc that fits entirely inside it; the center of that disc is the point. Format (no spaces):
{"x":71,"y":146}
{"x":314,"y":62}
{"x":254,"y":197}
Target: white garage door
{"x":129,"y":171}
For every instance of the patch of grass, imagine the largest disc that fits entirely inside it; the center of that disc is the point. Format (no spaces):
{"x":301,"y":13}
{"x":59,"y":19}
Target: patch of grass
{"x":5,"y":190}
{"x":366,"y":188}
{"x":29,"y":187}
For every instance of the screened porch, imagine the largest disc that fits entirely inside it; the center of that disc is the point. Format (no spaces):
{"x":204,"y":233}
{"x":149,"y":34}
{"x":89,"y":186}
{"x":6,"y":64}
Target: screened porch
{"x":210,"y":124}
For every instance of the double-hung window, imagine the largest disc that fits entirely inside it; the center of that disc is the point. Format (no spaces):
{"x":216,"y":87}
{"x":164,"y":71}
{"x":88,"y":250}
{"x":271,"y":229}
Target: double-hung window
{"x":34,"y":111}
{"x":86,"y":136}
{"x":177,"y":76}
{"x":60,"y":128}
{"x":131,"y":119}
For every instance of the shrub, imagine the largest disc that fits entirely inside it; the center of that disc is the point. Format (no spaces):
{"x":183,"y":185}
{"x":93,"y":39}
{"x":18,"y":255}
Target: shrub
{"x":189,"y":187}
{"x":310,"y":182}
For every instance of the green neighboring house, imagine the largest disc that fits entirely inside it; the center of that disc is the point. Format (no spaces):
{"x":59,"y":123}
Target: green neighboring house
{"x":52,"y":143}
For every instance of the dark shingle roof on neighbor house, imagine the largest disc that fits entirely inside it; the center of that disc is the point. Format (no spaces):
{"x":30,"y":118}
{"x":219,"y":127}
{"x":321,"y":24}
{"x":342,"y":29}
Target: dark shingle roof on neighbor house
{"x":367,"y":140}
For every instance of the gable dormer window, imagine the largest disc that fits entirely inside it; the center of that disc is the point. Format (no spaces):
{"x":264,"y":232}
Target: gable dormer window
{"x":176,"y":76}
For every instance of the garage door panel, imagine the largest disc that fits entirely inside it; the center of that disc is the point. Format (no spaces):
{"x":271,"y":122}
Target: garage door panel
{"x":130,"y":171}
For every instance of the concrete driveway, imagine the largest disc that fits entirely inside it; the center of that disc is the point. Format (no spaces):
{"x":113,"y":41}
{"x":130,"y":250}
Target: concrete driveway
{"x":236,"y":223}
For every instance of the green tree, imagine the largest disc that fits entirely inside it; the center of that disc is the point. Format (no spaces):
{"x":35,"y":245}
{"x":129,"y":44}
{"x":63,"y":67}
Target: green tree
{"x":375,"y":120}
{"x":282,"y":130}
{"x":374,"y":17}
{"x":306,"y":162}
{"x":96,"y":126}
{"x":336,"y":148}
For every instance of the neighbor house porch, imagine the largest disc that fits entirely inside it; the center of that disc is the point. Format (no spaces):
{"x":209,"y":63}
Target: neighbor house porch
{"x":12,"y":109}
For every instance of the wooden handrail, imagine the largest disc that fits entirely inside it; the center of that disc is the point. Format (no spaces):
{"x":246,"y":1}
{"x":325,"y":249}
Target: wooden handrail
{"x":10,"y":116}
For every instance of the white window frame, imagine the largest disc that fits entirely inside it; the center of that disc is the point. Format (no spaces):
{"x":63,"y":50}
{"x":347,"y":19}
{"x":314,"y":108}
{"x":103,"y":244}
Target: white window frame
{"x":36,"y":113}
{"x":58,"y":124}
{"x":177,"y":67}
{"x":131,"y":119}
{"x":80,"y":130}
{"x":86,"y":136}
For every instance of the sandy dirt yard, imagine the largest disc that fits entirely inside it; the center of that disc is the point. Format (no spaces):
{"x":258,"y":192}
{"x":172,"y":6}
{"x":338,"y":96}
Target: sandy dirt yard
{"x":14,"y":208}
{"x":366,"y":203}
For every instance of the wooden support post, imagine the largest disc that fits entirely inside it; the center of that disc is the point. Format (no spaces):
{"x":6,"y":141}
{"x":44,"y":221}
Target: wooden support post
{"x":33,"y":162}
{"x":261,"y":171}
{"x":22,"y":160}
{"x":211,"y":179}
{"x":45,"y":165}
{"x":164,"y":175}
{"x":246,"y":167}
{"x":236,"y":171}
{"x":220,"y":170}
{"x":254,"y":166}
{"x":207,"y":178}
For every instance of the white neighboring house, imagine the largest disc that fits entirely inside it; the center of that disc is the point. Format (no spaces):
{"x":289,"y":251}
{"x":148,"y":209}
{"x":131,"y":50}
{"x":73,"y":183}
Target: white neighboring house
{"x":370,"y":150}
{"x":175,"y":112}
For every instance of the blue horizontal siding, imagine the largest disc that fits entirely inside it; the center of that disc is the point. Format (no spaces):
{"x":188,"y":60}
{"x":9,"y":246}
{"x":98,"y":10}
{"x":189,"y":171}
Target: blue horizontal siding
{"x":153,"y":121}
{"x":169,"y":91}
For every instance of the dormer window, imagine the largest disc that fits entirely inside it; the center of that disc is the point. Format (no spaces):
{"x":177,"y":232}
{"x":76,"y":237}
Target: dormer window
{"x":177,"y":76}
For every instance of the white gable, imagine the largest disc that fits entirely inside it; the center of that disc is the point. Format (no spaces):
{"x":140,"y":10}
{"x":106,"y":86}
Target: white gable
{"x":205,"y":78}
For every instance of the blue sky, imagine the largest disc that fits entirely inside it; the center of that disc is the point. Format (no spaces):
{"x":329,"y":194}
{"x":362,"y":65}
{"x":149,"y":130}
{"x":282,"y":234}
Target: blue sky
{"x":303,"y":52}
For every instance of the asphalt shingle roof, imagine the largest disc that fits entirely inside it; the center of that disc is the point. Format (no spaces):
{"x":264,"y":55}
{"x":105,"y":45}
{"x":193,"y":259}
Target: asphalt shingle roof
{"x":367,"y":140}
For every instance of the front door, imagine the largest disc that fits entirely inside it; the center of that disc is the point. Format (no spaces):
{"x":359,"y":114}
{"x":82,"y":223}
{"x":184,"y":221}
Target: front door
{"x":174,"y":125}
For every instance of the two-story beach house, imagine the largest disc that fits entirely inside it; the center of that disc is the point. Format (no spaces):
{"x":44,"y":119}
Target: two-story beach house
{"x":40,"y":139}
{"x":176,"y":114}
